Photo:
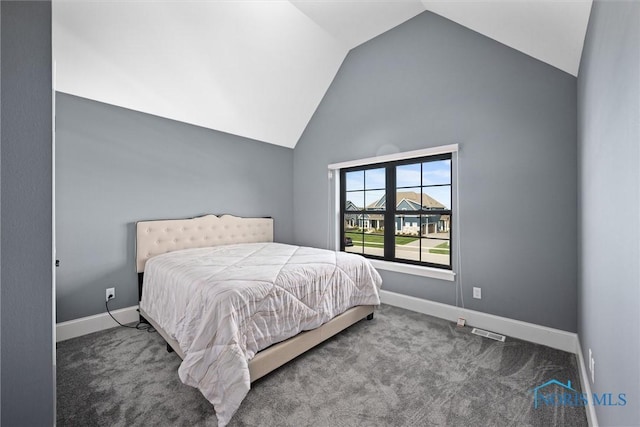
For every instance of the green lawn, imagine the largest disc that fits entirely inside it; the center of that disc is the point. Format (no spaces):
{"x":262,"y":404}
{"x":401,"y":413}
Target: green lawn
{"x":442,"y":248}
{"x":377,"y":240}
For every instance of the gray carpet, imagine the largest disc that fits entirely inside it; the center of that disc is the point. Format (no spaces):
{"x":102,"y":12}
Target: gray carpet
{"x":400,"y":369}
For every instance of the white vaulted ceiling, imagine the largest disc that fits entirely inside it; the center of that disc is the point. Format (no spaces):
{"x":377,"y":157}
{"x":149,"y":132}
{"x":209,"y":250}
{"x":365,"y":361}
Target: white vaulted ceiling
{"x":259,"y":69}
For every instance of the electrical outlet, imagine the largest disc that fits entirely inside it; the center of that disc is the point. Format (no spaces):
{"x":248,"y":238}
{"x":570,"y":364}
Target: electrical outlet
{"x":111,"y":293}
{"x":477,"y":293}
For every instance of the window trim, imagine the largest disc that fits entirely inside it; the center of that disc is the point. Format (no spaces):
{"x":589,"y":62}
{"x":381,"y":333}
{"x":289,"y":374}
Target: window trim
{"x":335,"y":220}
{"x":407,"y":155}
{"x":416,"y":270}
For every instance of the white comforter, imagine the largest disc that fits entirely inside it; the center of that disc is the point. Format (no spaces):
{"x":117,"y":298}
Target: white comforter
{"x":224,"y":304}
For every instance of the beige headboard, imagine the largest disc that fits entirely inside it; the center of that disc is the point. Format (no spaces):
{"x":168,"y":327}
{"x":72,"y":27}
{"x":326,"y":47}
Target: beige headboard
{"x":162,"y":236}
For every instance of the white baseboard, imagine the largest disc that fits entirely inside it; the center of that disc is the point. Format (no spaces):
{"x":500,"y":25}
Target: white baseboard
{"x":555,"y":338}
{"x":586,"y":387}
{"x":87,"y":325}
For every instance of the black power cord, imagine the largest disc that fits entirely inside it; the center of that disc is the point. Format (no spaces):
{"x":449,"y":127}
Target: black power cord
{"x":139,"y":326}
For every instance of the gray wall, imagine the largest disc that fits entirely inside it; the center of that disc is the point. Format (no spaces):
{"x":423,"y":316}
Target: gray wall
{"x":431,"y":82}
{"x":609,"y":158}
{"x":27,"y":372}
{"x":116,"y":166}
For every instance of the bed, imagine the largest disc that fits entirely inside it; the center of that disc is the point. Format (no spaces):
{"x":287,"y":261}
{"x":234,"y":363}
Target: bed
{"x":234,"y":305}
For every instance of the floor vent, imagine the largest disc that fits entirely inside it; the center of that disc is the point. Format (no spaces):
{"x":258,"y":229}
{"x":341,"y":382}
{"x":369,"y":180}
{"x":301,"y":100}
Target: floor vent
{"x":488,"y":334}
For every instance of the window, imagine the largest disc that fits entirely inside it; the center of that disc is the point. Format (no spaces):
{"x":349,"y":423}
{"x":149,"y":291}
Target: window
{"x":399,"y":211}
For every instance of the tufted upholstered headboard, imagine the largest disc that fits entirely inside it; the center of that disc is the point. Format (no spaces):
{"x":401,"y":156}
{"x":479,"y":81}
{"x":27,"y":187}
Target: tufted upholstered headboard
{"x":162,"y":236}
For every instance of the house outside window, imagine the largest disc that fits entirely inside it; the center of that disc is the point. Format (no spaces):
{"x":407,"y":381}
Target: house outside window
{"x":399,"y":211}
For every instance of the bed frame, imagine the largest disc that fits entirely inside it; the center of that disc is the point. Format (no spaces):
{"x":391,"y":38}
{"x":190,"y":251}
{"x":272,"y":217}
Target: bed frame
{"x":161,"y":236}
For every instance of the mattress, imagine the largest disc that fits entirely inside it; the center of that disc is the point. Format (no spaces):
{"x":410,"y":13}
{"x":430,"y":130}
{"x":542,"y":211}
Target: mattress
{"x":224,"y":304}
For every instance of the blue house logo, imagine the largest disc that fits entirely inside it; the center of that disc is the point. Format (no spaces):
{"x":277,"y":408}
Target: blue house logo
{"x":548,"y":398}
{"x":556,"y":393}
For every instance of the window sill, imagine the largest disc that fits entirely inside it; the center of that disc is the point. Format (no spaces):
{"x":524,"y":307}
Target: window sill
{"x":416,"y":270}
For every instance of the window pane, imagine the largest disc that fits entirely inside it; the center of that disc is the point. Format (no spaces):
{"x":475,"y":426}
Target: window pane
{"x":374,"y":243}
{"x":355,"y":180}
{"x":407,"y":242}
{"x":407,"y":225}
{"x":408,"y":175}
{"x":434,"y":173}
{"x":352,"y":223}
{"x":353,"y":249}
{"x":373,"y":224}
{"x":374,"y":179}
{"x":353,"y":233}
{"x":436,"y":197}
{"x":355,"y":201}
{"x":374,"y":199}
{"x":408,"y":199}
{"x":436,"y":251}
{"x":436,"y":226}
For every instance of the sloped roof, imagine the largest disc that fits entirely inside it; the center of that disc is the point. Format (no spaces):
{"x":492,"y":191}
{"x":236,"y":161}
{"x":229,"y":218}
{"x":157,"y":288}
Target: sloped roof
{"x":427,"y":202}
{"x":378,"y":204}
{"x":412,"y":198}
{"x":350,"y":206}
{"x":408,"y":205}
